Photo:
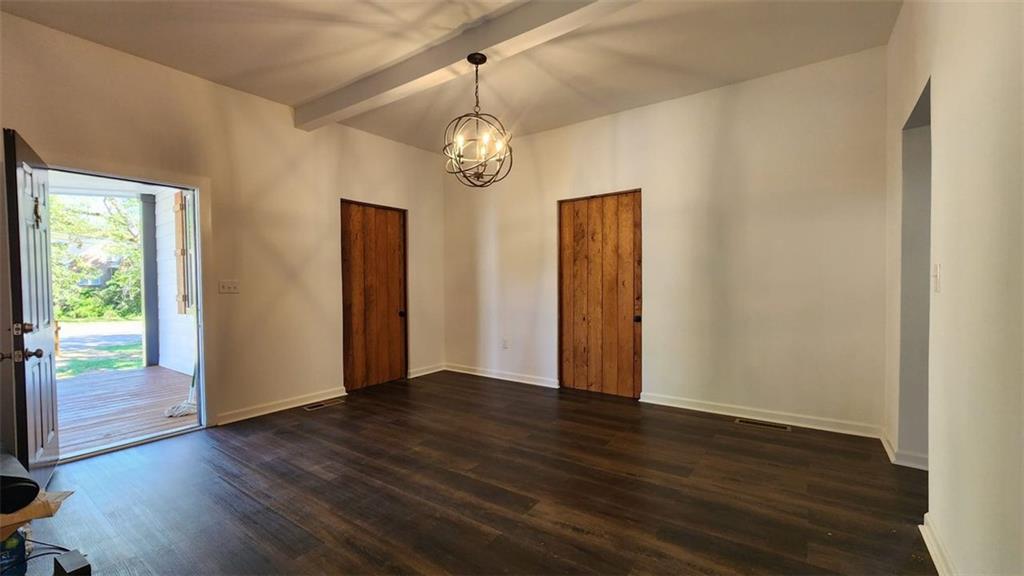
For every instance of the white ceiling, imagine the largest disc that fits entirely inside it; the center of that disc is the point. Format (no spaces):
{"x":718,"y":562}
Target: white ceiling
{"x":649,"y":52}
{"x":289,"y":51}
{"x":652,"y":51}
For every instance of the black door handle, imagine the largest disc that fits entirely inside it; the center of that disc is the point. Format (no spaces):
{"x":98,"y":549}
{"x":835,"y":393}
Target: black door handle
{"x":401,"y":313}
{"x":636,"y":318}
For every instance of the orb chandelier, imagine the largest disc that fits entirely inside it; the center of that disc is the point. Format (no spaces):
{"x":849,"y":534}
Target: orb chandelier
{"x":476,"y":144}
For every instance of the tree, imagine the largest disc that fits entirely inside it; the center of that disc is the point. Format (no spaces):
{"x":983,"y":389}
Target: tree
{"x":90,"y":236}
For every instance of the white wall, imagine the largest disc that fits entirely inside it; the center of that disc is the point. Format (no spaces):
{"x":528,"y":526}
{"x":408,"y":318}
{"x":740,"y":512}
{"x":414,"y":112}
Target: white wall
{"x":763,"y":245}
{"x":269,"y":204}
{"x":972,"y":52}
{"x":177,"y":331}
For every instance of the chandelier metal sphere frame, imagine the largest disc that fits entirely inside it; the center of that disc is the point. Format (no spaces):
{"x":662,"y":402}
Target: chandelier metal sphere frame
{"x":476,"y":144}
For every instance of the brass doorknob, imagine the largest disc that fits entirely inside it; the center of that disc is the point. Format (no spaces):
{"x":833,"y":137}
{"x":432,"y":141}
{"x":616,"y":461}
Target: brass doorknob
{"x":38,"y":353}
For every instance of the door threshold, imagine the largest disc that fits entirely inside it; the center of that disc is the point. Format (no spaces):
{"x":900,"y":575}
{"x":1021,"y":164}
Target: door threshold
{"x":114,"y":446}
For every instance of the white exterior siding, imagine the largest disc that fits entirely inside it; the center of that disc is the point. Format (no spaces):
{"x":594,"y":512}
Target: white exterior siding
{"x":177,"y":331}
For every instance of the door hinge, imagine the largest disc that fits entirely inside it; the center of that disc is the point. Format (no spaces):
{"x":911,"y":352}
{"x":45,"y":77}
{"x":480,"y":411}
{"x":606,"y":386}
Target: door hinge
{"x":22,"y":328}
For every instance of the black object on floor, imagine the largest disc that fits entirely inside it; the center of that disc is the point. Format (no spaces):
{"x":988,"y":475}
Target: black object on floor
{"x":17,"y":488}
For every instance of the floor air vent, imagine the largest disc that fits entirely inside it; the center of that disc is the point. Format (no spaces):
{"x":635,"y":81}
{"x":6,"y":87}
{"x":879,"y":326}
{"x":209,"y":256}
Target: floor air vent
{"x":324,"y":404}
{"x":760,"y":424}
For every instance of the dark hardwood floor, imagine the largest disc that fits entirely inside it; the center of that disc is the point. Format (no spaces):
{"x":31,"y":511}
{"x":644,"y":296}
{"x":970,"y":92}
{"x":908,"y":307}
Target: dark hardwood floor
{"x":451,"y":473}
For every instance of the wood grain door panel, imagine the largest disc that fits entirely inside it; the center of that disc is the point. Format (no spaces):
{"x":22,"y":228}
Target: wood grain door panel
{"x":600,"y":293}
{"x":373,"y":271}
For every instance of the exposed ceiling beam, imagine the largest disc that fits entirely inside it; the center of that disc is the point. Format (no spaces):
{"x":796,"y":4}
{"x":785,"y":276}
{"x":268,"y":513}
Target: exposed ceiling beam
{"x":520,"y":29}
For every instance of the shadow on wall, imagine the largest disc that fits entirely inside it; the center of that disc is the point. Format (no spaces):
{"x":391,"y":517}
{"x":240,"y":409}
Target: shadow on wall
{"x":519,"y":248}
{"x":724,"y":218}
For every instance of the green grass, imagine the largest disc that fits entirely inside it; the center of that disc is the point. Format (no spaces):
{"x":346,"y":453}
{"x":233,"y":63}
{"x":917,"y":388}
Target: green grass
{"x":89,"y":320}
{"x":120,"y":357}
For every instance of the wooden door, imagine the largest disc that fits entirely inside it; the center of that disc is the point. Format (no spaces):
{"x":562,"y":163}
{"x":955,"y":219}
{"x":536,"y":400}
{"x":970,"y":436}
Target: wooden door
{"x":373,"y":294}
{"x":35,"y":384}
{"x":599,"y":293}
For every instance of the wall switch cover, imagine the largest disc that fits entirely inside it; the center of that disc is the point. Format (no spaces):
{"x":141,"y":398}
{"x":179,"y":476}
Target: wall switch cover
{"x":228,"y":287}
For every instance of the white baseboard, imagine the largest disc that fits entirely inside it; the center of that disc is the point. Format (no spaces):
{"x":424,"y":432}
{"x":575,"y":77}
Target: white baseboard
{"x":267,"y":408}
{"x":831,"y":425}
{"x":816,"y":422}
{"x":417,"y":372}
{"x":904,"y":457}
{"x":511,"y":376}
{"x":890,"y":450}
{"x":911,"y":459}
{"x":938,"y":553}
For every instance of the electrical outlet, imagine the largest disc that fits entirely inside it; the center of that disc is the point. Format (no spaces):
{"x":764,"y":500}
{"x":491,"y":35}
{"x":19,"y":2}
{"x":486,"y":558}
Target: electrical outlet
{"x":228,"y":287}
{"x":504,"y":344}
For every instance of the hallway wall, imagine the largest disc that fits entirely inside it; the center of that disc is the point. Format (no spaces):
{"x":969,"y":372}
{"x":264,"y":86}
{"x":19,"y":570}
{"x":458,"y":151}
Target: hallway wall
{"x":177,"y":331}
{"x":973,"y":53}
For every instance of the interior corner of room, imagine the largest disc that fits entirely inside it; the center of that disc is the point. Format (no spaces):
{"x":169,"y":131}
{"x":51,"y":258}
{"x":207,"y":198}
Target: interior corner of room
{"x":750,"y":297}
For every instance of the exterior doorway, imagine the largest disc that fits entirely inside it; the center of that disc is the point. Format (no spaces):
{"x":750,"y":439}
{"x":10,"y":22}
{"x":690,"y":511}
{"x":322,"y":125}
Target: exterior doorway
{"x":108,"y":256}
{"x":125,"y":304}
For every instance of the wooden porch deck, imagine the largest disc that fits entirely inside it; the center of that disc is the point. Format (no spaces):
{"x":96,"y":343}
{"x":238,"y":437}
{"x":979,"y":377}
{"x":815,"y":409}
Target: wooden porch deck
{"x":104,"y":409}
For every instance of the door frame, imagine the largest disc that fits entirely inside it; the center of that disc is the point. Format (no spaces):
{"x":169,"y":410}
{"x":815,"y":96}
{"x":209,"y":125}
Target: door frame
{"x":199,"y":231}
{"x":912,"y":411}
{"x":558,"y":258}
{"x":405,"y":285}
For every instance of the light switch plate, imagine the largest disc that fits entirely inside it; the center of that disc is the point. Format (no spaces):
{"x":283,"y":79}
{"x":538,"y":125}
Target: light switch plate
{"x":228,"y":287}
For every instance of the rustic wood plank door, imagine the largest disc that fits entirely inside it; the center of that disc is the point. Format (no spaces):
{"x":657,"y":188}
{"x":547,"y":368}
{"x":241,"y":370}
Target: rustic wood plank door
{"x":373,"y":294}
{"x":32,"y":324}
{"x":600,"y":293}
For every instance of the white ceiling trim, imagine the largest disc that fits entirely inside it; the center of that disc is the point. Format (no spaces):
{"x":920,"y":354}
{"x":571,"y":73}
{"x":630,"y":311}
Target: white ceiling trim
{"x":520,"y":29}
